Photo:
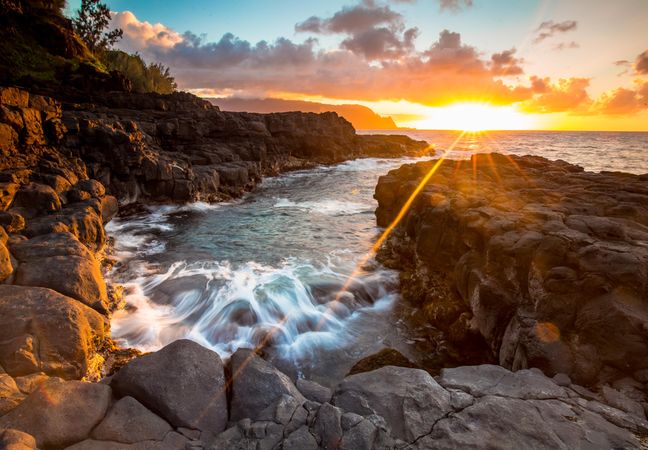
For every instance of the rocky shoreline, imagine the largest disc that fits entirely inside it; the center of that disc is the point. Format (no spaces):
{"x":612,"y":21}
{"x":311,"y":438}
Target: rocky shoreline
{"x":528,"y":263}
{"x":66,"y":168}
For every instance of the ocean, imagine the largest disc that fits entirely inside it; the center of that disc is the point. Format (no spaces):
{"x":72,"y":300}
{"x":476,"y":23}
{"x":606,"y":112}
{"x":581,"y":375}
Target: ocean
{"x":268,"y":268}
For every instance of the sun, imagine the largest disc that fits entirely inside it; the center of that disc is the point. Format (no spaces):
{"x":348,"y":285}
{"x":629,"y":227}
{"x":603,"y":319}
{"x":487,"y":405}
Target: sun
{"x":474,"y":117}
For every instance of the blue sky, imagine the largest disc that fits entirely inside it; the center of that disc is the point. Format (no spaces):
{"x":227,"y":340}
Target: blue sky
{"x":586,"y":55}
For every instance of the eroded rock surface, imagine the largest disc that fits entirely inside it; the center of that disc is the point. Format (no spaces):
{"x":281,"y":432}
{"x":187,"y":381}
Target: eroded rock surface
{"x":526,"y":262}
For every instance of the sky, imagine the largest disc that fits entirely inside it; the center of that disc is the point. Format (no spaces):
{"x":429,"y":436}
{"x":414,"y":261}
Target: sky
{"x":530,"y":64}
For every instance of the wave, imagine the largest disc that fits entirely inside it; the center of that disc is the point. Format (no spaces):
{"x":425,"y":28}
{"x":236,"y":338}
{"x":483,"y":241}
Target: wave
{"x":295,"y":308}
{"x":328,"y":207}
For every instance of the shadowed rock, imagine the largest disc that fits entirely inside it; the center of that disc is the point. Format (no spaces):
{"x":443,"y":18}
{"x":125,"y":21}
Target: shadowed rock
{"x":184,"y":383}
{"x":526,"y":261}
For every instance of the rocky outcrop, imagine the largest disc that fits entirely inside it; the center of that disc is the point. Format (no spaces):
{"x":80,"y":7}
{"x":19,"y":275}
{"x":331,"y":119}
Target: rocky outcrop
{"x":180,"y":148}
{"x":388,"y":408}
{"x":526,"y":261}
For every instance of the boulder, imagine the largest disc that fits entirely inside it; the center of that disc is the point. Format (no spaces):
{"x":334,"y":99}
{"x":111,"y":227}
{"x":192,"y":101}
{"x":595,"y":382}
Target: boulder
{"x":59,"y":413}
{"x":183,"y":383}
{"x":44,"y":331}
{"x":256,"y":385}
{"x":128,"y":421}
{"x":38,"y":198}
{"x":74,"y":276}
{"x":408,"y":399}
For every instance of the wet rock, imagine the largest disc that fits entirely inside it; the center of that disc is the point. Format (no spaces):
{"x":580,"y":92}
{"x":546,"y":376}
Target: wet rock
{"x":44,"y":331}
{"x":183,"y":383}
{"x":256,"y":385}
{"x":60,"y":413}
{"x":128,"y":421}
{"x":408,"y":399}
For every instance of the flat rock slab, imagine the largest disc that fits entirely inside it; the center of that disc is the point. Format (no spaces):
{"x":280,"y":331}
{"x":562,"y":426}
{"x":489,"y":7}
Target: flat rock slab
{"x":184,"y":383}
{"x":410,"y":400}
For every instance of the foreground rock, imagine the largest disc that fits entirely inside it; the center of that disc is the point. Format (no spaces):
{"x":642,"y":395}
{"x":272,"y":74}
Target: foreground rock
{"x":529,"y":262}
{"x":183,"y":383}
{"x":44,"y":331}
{"x":170,"y":406}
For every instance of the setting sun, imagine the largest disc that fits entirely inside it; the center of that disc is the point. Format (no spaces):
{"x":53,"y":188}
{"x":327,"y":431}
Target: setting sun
{"x":474,"y":117}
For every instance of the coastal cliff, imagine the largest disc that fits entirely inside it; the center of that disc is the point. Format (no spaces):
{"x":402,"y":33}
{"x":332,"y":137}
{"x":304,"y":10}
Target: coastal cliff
{"x":527,"y":262}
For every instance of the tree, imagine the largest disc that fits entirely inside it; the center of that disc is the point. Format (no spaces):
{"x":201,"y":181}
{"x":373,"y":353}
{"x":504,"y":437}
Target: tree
{"x":154,"y":77}
{"x":91,"y":21}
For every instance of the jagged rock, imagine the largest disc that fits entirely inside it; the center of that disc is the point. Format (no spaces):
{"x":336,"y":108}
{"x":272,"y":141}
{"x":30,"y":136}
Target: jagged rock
{"x":60,"y":413}
{"x":7,"y":193}
{"x":313,"y":391}
{"x":128,"y":421}
{"x":543,"y":260}
{"x":409,"y":399}
{"x":44,"y":331}
{"x":184,"y":383}
{"x":256,"y":385}
{"x":16,"y":440}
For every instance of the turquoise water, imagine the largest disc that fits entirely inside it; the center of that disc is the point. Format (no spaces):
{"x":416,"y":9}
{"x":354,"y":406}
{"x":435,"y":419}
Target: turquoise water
{"x":266,"y":270}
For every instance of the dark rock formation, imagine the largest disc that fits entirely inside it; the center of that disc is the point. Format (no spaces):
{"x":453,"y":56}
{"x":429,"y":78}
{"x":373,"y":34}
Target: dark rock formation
{"x":532,"y":262}
{"x":180,"y":148}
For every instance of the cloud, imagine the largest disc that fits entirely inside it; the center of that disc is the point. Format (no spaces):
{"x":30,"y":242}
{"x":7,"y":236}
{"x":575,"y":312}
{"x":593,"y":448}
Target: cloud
{"x":566,"y":45}
{"x":550,"y":28}
{"x":622,"y":101}
{"x":641,"y":64}
{"x":373,"y":32}
{"x":565,"y":95}
{"x":139,"y":35}
{"x":506,"y":63}
{"x":391,"y":68}
{"x":454,"y":5}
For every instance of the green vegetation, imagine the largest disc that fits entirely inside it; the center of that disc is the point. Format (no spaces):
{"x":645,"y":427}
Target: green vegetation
{"x":90,"y":24}
{"x":145,"y":78}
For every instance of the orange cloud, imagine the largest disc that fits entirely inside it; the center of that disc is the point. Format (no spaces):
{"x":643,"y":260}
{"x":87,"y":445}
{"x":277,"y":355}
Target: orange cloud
{"x":376,"y":60}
